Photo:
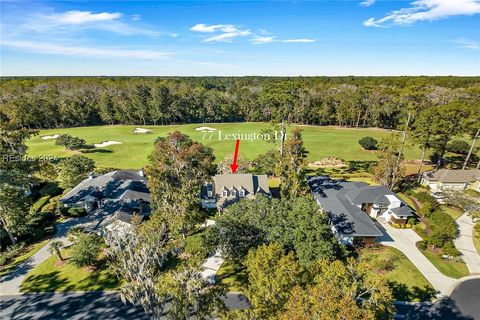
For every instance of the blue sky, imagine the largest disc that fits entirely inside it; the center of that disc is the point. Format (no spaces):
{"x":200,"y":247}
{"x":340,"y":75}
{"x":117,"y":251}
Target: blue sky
{"x":365,"y":37}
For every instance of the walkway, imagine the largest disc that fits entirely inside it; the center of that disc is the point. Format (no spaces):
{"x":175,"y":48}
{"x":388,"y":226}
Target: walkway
{"x":10,"y":283}
{"x":404,"y":240}
{"x":212,"y":264}
{"x":464,"y":243}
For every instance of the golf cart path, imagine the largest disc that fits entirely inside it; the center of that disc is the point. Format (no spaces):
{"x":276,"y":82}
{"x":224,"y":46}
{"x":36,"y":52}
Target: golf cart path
{"x":404,"y":240}
{"x":464,"y":243}
{"x":11,"y":282}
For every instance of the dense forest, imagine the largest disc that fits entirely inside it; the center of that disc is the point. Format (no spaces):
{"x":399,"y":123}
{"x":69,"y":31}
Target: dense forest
{"x":346,"y":101}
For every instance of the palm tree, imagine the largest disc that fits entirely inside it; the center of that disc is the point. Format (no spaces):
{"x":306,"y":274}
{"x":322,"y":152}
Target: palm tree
{"x":55,"y":247}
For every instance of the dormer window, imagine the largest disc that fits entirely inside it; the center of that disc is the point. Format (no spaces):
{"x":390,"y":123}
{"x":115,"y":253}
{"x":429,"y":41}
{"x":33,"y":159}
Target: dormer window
{"x":225,"y":193}
{"x":241,"y":193}
{"x":233,"y":192}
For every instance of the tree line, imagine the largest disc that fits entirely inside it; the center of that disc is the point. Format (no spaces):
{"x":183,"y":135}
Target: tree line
{"x":345,"y":101}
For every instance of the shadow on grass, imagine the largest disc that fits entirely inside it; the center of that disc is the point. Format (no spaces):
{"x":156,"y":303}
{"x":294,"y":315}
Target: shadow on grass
{"x":96,"y":151}
{"x":231,"y":275}
{"x":403,"y":293}
{"x":43,"y":282}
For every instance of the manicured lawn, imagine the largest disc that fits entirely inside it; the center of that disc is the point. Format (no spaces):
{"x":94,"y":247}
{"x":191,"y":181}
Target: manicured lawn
{"x":49,"y":277}
{"x":29,"y":251}
{"x":407,"y":283}
{"x":476,"y":237}
{"x":319,"y":141}
{"x":232,"y":278}
{"x":406,"y":199}
{"x":450,"y":268}
{"x":452,"y":212}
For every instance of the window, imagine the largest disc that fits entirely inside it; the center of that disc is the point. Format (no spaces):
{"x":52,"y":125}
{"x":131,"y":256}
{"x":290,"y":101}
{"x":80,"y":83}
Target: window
{"x":242,"y":193}
{"x":225,"y":193}
{"x":233,"y":192}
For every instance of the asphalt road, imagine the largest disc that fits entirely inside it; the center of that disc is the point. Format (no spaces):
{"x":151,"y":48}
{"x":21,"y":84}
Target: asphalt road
{"x":467,"y":298}
{"x":463,"y":304}
{"x":81,"y":305}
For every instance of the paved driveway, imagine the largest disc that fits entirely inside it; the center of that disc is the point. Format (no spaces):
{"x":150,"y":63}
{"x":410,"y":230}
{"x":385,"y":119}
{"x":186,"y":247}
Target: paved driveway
{"x":464,"y":244}
{"x":404,"y":240}
{"x":10,"y":283}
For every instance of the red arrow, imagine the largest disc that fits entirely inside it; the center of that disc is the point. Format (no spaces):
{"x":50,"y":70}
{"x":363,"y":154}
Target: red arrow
{"x":234,"y":165}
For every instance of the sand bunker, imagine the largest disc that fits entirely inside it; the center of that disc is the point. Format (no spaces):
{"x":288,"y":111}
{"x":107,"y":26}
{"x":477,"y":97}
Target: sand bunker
{"x":205,"y":129}
{"x":328,"y":162}
{"x":55,"y":136}
{"x":142,"y":130}
{"x":105,"y":144}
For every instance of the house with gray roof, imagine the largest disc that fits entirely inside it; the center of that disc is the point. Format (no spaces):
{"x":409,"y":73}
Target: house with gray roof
{"x":227,"y":189}
{"x":352,"y":206}
{"x":118,"y":194}
{"x":446,"y":179}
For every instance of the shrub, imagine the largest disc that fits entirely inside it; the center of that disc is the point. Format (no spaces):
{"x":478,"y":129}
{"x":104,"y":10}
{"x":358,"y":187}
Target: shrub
{"x":85,"y":251}
{"x":49,"y":207}
{"x":422,"y":245}
{"x":75,"y":232}
{"x":442,"y":223}
{"x":50,"y":189}
{"x":8,"y":255}
{"x":449,"y":248}
{"x":368,"y":143}
{"x":459,"y":147}
{"x":37,"y":206}
{"x":195,"y":245}
{"x":76,"y":212}
{"x":384,"y":265}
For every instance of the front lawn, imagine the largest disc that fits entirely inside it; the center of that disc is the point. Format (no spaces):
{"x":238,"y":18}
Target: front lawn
{"x":52,"y":276}
{"x":452,"y":212}
{"x":407,"y":283}
{"x":29,"y":251}
{"x":234,"y":278}
{"x":451,"y":268}
{"x":476,"y":236}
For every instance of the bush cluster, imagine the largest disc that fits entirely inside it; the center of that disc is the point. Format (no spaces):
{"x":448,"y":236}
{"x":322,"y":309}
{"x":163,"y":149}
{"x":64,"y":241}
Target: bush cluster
{"x":368,"y":143}
{"x":71,"y":143}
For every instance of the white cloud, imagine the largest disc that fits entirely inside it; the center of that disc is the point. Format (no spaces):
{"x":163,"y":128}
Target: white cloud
{"x":427,"y":10}
{"x":136,"y":17}
{"x":299,"y":40}
{"x":367,"y":3}
{"x":227,"y":32}
{"x":75,"y":20}
{"x":262,"y":40}
{"x":467,"y":43}
{"x":51,"y":48}
{"x":81,"y":17}
{"x":200,"y":27}
{"x":228,"y":36}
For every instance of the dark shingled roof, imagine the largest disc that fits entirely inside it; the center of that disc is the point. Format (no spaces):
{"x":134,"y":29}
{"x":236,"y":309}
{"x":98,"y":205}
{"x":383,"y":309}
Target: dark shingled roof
{"x":347,"y":218}
{"x":402,"y":211}
{"x":111,"y":185}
